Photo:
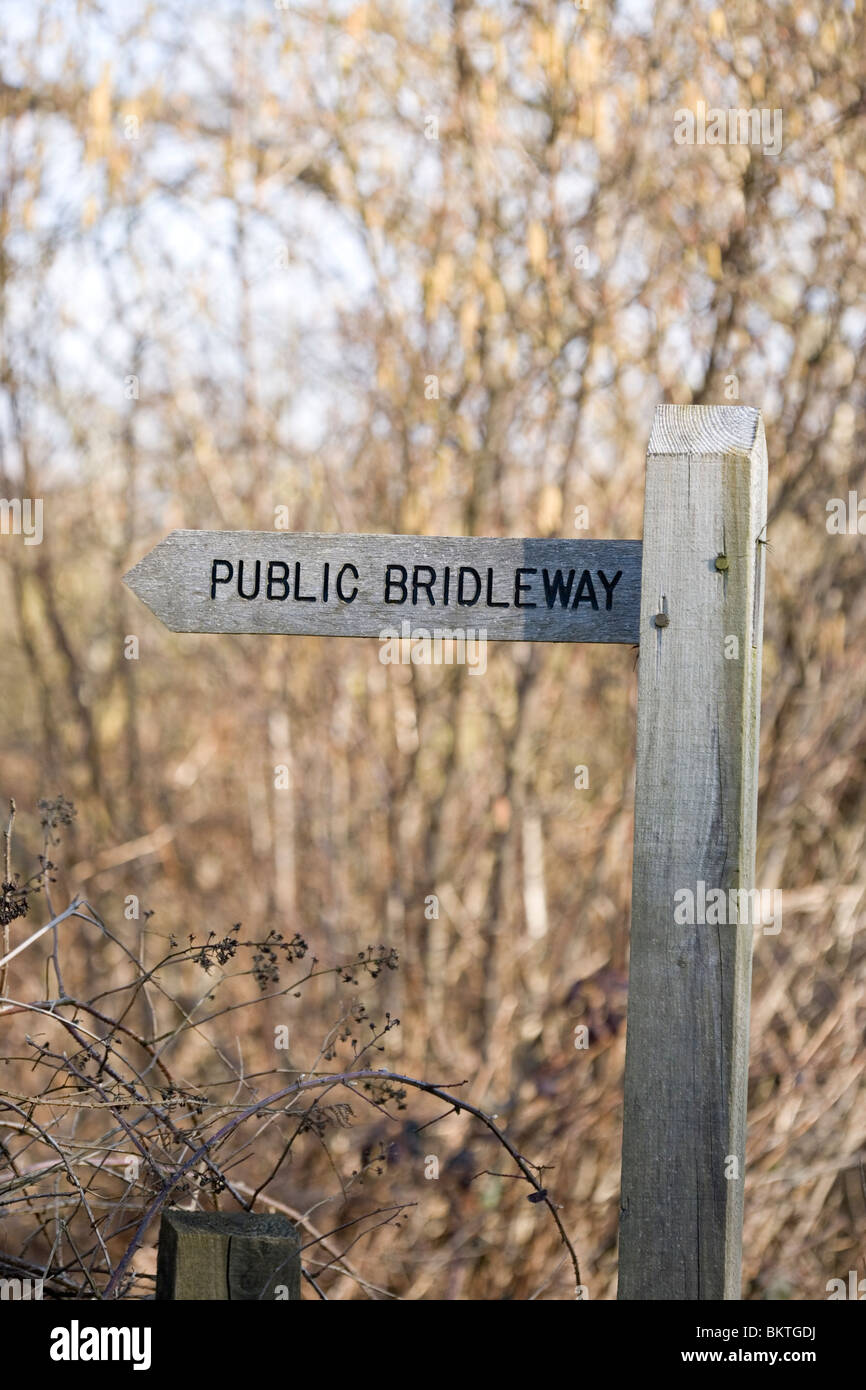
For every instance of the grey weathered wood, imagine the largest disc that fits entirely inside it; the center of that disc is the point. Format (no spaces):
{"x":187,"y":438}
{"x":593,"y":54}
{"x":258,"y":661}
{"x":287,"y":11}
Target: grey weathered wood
{"x":228,"y":1256}
{"x":176,"y":580}
{"x":695,"y":814}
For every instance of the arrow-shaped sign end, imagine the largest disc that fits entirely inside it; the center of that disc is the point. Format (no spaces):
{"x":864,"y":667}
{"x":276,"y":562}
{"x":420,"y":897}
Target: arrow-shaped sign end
{"x":151,"y":580}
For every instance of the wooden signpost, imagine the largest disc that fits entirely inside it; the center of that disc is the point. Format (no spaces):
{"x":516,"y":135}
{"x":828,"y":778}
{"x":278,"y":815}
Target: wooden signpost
{"x":357,"y":586}
{"x":691,"y":594}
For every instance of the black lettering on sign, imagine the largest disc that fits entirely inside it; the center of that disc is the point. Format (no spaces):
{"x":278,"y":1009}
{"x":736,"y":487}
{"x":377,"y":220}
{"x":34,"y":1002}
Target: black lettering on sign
{"x":258,"y":572}
{"x":418,"y":584}
{"x":491,"y":602}
{"x":391,"y":583}
{"x":274,"y":578}
{"x":347,"y":598}
{"x":302,"y":598}
{"x":585,"y":583}
{"x":555,"y":588}
{"x":462,"y":572}
{"x":425,"y":584}
{"x":217,"y":579}
{"x":609,"y":587}
{"x":521,"y":588}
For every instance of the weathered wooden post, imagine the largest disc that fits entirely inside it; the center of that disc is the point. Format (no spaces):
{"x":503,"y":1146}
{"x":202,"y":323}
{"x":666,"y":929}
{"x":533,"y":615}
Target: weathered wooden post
{"x":695,"y":817}
{"x":227,"y":1256}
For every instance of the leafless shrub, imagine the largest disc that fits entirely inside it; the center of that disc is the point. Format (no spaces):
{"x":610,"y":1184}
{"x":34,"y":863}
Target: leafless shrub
{"x":112,"y":1129}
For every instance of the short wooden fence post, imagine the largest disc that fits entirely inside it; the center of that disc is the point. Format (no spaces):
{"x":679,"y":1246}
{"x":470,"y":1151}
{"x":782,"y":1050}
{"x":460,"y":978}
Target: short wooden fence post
{"x":227,"y":1256}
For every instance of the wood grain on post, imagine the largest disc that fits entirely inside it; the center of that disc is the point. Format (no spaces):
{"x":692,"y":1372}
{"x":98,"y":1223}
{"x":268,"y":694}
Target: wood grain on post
{"x":695,"y":815}
{"x":227,"y":1256}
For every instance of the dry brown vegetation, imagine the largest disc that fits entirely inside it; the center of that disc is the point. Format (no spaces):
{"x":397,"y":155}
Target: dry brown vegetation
{"x":233,"y":259}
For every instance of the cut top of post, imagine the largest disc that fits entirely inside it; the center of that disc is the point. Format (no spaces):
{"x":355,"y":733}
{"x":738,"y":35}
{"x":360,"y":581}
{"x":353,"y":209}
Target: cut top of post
{"x":706,"y":431}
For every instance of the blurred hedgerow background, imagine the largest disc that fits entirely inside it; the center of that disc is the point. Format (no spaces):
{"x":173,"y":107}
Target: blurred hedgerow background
{"x":424,"y":268}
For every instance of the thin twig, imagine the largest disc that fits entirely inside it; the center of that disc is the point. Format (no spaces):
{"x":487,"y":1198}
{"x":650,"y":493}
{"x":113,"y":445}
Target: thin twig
{"x":350,"y":1080}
